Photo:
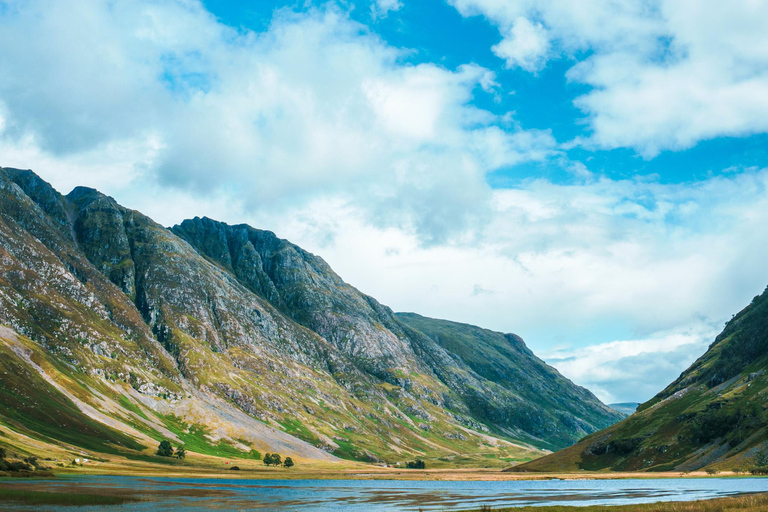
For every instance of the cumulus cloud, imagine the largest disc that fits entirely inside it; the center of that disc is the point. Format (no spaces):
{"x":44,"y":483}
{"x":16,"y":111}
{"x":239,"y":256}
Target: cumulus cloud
{"x":664,"y":74}
{"x":525,"y":45}
{"x":314,"y":105}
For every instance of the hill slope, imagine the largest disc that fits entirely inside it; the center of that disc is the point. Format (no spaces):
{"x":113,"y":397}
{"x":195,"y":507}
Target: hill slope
{"x":526,"y":392}
{"x":713,"y":415}
{"x":229,"y":339}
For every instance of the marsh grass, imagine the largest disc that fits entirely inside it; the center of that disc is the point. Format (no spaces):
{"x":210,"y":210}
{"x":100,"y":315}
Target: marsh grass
{"x":29,"y":497}
{"x":749,"y":503}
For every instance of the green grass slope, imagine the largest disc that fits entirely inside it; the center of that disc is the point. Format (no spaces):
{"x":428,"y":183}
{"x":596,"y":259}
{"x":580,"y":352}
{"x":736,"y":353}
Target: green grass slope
{"x":712,"y":416}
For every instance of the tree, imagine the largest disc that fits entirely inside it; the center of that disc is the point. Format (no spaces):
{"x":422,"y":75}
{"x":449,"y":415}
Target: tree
{"x":415,"y":464}
{"x":2,"y":453}
{"x":181,"y":452}
{"x":268,"y":459}
{"x":288,"y":462}
{"x":165,"y":449}
{"x":276,"y":459}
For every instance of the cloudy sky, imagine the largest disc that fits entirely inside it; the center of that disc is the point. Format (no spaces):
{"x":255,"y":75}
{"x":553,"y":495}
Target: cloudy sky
{"x":590,"y":175}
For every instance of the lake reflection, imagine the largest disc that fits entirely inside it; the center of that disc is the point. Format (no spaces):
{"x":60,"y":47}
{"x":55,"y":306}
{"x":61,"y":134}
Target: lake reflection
{"x":195,"y":495}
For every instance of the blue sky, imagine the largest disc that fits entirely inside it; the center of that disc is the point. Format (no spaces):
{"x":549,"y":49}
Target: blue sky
{"x":590,"y":175}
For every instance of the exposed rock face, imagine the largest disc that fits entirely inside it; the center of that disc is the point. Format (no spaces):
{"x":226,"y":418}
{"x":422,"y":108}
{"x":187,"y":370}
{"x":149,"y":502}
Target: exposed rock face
{"x":219,"y":324}
{"x":713,"y":415}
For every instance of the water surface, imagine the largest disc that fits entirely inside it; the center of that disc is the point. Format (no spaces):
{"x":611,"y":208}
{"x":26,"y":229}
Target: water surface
{"x":197,"y":495}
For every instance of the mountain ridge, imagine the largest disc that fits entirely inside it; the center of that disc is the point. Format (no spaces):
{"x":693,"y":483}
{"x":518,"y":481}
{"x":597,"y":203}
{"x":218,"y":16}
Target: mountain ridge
{"x":174,"y":330}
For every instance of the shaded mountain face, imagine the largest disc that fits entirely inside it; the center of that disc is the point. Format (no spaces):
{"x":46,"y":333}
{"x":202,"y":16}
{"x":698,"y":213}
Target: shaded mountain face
{"x":514,"y":390}
{"x":231,"y":341}
{"x":713,"y":415}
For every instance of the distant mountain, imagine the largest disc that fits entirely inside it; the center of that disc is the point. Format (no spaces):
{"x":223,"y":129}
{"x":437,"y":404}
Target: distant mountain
{"x":625,"y":407}
{"x":118,"y":332}
{"x":712,"y":416}
{"x":525,"y":395}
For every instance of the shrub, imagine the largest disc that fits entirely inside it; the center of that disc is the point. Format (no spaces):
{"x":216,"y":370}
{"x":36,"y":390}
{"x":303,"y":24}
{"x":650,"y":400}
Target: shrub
{"x":181,"y":452}
{"x":234,"y":468}
{"x":165,"y":449}
{"x":288,"y":462}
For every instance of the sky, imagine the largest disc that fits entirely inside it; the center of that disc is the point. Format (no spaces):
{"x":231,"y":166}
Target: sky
{"x":589,"y":175}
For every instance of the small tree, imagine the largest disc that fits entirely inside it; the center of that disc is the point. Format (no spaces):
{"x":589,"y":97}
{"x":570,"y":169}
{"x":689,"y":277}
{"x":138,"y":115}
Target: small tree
{"x":181,"y":452}
{"x":165,"y":449}
{"x":288,"y":462}
{"x":276,"y":459}
{"x":268,"y":459}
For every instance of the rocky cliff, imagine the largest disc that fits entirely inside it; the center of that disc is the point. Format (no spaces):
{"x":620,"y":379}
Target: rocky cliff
{"x":232,"y":341}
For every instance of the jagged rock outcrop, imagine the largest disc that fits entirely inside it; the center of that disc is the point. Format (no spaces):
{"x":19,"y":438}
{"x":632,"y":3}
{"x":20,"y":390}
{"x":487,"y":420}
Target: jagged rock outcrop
{"x":204,"y":328}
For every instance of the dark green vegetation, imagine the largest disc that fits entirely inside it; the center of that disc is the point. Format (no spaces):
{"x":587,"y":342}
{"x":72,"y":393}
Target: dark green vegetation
{"x":750,"y":503}
{"x":713,"y":416}
{"x":117,"y":333}
{"x":275,"y":459}
{"x":165,"y":449}
{"x":28,"y":497}
{"x":416,"y":464}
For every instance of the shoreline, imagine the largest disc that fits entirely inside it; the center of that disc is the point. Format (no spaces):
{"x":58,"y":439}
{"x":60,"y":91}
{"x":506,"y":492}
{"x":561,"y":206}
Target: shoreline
{"x":352,"y":473}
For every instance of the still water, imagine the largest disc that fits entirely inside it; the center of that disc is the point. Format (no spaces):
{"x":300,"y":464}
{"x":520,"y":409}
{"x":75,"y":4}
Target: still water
{"x":197,"y":495}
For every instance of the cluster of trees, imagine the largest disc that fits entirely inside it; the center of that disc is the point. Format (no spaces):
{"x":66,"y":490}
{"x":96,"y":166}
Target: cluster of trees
{"x":27,"y":464}
{"x":166,"y":450}
{"x":415,"y":464}
{"x":732,"y":421}
{"x":274,"y":459}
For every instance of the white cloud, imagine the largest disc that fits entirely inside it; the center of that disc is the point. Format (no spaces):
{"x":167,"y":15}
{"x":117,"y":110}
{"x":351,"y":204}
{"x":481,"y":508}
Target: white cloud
{"x":526,"y":45}
{"x":315,"y":105}
{"x":665,"y":74}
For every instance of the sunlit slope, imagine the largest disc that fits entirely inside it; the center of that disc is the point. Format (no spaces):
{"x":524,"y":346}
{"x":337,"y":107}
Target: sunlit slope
{"x":713,"y":415}
{"x":232,"y":341}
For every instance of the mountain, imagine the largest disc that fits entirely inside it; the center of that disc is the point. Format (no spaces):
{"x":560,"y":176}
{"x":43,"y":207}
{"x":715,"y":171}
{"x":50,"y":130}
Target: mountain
{"x":232,"y":341}
{"x":627,"y":408}
{"x":712,"y":416}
